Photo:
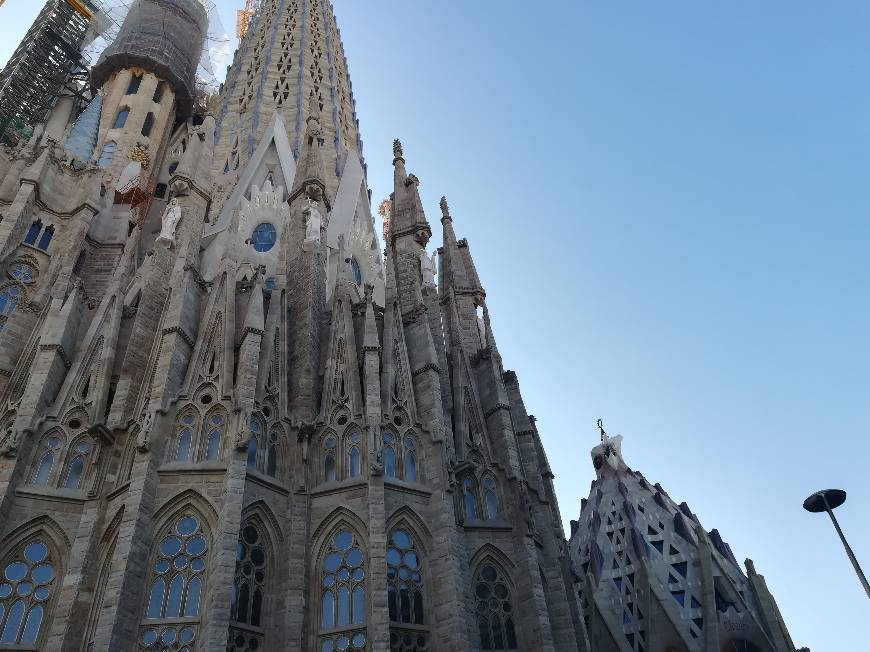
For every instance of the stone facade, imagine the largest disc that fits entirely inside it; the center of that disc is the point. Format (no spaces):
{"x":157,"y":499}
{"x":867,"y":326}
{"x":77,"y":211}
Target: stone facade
{"x":227,"y":421}
{"x":650,"y":577}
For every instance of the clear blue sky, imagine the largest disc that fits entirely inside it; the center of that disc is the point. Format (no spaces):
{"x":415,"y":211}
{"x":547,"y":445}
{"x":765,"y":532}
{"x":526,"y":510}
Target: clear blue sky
{"x":667,"y":205}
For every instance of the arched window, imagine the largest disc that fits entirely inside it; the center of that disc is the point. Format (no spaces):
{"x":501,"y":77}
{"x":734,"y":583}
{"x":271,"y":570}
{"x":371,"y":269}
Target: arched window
{"x":121,"y":118}
{"x":158,"y":93}
{"x":354,"y":454}
{"x":490,"y":498}
{"x":389,"y":455}
{"x":343,"y":598}
{"x":135,"y":82}
{"x":33,"y":233}
{"x":25,"y":591}
{"x":249,"y":590}
{"x":47,"y":235}
{"x":410,"y":461}
{"x":176,"y":585}
{"x":45,"y":459}
{"x":404,"y":582}
{"x":329,"y":453}
{"x":184,"y":440}
{"x":495,"y":610}
{"x":148,"y":124}
{"x":469,"y":493}
{"x":212,"y":445}
{"x":76,"y":466}
{"x":9,"y":298}
{"x":107,"y":155}
{"x":22,"y":272}
{"x":256,"y":430}
{"x":272,"y":454}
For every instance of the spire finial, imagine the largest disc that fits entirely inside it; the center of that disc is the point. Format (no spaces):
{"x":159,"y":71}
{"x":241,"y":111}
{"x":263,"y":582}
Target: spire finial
{"x":445,"y":209}
{"x":397,"y":150}
{"x":600,"y":425}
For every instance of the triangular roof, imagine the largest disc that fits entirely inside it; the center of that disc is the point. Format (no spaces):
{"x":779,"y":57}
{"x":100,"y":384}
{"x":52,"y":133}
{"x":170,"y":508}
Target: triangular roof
{"x":275,"y":136}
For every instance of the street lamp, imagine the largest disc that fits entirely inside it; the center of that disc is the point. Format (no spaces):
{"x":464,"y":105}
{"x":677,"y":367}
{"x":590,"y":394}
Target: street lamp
{"x":827,"y":501}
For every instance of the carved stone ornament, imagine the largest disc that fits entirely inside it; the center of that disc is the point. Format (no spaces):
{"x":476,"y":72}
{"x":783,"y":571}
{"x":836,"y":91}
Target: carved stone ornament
{"x":243,"y":432}
{"x":422,"y":237}
{"x":143,"y":437}
{"x":428,"y":267}
{"x":9,"y":448}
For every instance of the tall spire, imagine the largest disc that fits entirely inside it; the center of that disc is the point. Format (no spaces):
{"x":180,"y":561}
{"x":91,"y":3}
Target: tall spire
{"x":408,"y":217}
{"x":290,"y":58}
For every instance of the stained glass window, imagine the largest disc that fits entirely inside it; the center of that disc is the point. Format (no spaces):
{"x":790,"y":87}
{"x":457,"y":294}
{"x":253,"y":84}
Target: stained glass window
{"x":184,"y":447}
{"x":22,"y":272}
{"x":135,"y":82}
{"x":213,"y":438}
{"x":148,"y":124}
{"x":354,"y":456}
{"x":121,"y":118}
{"x":50,"y":453}
{"x":470,"y":495}
{"x":490,"y":498}
{"x":343,"y":597}
{"x":45,"y":240}
{"x":494,"y":610}
{"x":25,"y":589}
{"x":33,"y":233}
{"x":329,"y":470}
{"x":176,"y":591}
{"x":107,"y":155}
{"x":264,"y":237}
{"x":75,"y":469}
{"x":249,"y":591}
{"x":357,"y":273}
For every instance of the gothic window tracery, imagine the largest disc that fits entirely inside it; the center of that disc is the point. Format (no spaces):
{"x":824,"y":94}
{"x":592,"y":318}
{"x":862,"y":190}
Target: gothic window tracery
{"x":49,"y":453}
{"x":10,"y":297}
{"x":77,"y":459}
{"x":25,"y":592}
{"x":176,"y":588}
{"x":404,"y":589}
{"x":495,"y":608}
{"x":401,"y":456}
{"x":342,"y":584}
{"x":330,"y":472}
{"x":247,"y":610}
{"x":354,"y":454}
{"x":215,"y":425}
{"x":480,"y":498}
{"x":184,"y":438}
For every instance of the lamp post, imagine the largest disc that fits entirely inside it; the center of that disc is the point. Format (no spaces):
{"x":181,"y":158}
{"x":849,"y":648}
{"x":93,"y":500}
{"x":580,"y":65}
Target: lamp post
{"x":828,"y":500}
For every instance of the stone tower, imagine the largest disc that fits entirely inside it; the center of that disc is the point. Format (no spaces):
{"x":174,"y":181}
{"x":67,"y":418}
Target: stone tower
{"x":651,"y":578}
{"x":289,"y":65}
{"x":225,"y":421}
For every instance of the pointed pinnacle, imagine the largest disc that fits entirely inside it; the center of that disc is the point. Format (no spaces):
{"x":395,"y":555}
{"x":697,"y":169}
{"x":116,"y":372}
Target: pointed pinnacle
{"x":397,"y":149}
{"x":445,"y":210}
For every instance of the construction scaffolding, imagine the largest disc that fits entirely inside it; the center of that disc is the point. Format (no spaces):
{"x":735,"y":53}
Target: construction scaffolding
{"x":65,"y":41}
{"x":46,"y":60}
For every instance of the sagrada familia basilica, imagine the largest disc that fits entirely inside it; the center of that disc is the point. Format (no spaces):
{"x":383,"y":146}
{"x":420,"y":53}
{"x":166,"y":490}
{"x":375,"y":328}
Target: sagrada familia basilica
{"x":232,"y":418}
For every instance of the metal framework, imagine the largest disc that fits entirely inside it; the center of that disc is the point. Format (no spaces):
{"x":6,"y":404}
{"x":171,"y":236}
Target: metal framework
{"x":47,"y":59}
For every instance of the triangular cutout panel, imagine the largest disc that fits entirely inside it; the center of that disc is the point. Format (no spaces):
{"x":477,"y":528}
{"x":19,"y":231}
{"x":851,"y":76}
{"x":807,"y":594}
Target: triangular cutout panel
{"x":275,"y":139}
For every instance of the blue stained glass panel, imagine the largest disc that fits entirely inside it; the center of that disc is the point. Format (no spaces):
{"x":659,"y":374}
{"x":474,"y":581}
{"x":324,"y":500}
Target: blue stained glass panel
{"x":263,"y":238}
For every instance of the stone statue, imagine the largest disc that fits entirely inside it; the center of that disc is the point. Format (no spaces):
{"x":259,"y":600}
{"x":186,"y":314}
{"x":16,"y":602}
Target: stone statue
{"x":429,"y":266}
{"x":171,"y":218}
{"x":143,"y":438}
{"x":313,"y":222}
{"x":244,"y":433}
{"x":9,"y":447}
{"x":481,"y":331}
